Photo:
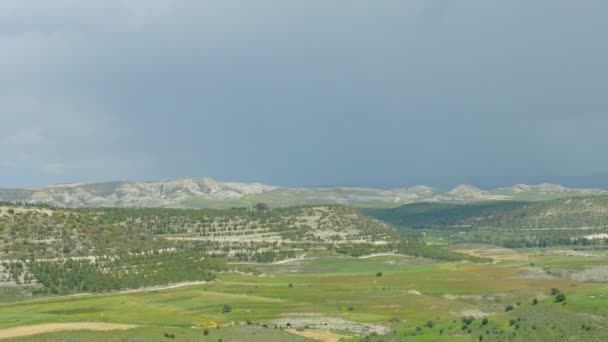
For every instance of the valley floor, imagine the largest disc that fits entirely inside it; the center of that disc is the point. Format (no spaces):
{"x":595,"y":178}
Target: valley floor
{"x":328,"y":298}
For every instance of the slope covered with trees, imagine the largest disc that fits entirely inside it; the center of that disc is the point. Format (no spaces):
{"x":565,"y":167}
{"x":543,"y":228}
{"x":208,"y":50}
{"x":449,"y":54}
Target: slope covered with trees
{"x":51,"y":250}
{"x":577,"y":221}
{"x":575,"y":212}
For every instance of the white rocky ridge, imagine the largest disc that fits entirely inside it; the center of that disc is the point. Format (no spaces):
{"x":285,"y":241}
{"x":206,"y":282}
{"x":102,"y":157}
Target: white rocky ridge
{"x":133,"y":194}
{"x":206,"y":192}
{"x":466,"y":190}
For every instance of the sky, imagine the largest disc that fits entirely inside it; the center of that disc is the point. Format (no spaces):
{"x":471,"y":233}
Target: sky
{"x":303,"y":93}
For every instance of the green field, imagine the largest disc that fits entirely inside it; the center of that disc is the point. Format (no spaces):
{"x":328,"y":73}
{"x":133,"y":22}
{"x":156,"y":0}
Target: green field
{"x":416,"y":299}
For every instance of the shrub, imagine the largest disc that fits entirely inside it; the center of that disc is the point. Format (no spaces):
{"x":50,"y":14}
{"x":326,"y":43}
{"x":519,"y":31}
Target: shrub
{"x":554,"y":291}
{"x":534,"y":301}
{"x":467,"y":320}
{"x":261,"y":207}
{"x":226,"y":308}
{"x":509,"y":307}
{"x":484,"y":321}
{"x":378,"y":274}
{"x":560,"y":297}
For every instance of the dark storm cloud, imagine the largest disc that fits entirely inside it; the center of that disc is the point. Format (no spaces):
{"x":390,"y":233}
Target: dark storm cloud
{"x":297,"y":93}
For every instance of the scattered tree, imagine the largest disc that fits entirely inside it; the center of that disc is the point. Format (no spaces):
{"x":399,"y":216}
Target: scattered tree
{"x":261,"y":207}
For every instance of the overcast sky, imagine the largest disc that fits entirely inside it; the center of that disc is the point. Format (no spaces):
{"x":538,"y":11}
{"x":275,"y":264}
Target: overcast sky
{"x":312,"y":92}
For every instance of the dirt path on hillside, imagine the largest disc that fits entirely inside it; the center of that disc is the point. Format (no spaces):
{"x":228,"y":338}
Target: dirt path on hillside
{"x":142,"y":289}
{"x":285,"y":261}
{"x":28,"y":330}
{"x":164,"y":287}
{"x":280,"y":262}
{"x":377,"y":255}
{"x":319,"y":335}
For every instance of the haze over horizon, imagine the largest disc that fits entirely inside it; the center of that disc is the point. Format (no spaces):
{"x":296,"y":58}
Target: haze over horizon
{"x":598,"y":180}
{"x":313,"y":93}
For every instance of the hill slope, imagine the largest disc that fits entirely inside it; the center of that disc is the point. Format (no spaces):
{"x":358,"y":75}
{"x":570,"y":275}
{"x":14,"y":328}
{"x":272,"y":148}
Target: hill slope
{"x":574,"y":212}
{"x":48,"y":232}
{"x":60,"y":250}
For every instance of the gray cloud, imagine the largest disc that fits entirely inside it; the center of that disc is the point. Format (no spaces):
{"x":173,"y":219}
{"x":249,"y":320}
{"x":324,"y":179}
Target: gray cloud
{"x":296,"y":93}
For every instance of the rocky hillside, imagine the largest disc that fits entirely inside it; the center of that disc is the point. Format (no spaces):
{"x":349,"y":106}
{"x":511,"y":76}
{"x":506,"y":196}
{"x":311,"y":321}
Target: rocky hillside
{"x":51,"y":233}
{"x":207,"y":193}
{"x":49,"y":250}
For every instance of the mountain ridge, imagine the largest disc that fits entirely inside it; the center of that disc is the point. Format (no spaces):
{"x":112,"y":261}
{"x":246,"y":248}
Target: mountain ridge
{"x":204,"y":192}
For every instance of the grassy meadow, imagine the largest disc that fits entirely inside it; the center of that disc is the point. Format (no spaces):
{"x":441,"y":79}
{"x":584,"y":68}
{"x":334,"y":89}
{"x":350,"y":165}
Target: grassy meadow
{"x":417,"y":299}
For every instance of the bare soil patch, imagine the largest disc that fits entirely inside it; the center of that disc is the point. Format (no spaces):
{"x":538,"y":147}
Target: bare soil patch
{"x":533,"y":273}
{"x":328,"y":323}
{"x":476,"y":313}
{"x":590,"y":273}
{"x":28,"y":330}
{"x":495,"y":253}
{"x":319,"y":335}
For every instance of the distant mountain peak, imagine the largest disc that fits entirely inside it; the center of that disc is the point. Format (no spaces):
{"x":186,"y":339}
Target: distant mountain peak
{"x":551,"y":187}
{"x":466,"y":190}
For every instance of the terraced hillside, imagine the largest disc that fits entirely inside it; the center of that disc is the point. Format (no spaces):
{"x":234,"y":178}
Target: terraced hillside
{"x":51,"y":233}
{"x":47,"y":232}
{"x":59,"y":250}
{"x":334,"y":224}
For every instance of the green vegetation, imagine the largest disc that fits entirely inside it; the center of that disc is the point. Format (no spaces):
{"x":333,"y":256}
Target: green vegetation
{"x":151,"y":333}
{"x":104,"y":274}
{"x":52,"y":251}
{"x":345,"y":288}
{"x":509,"y":224}
{"x":433,"y":215}
{"x":340,"y":273}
